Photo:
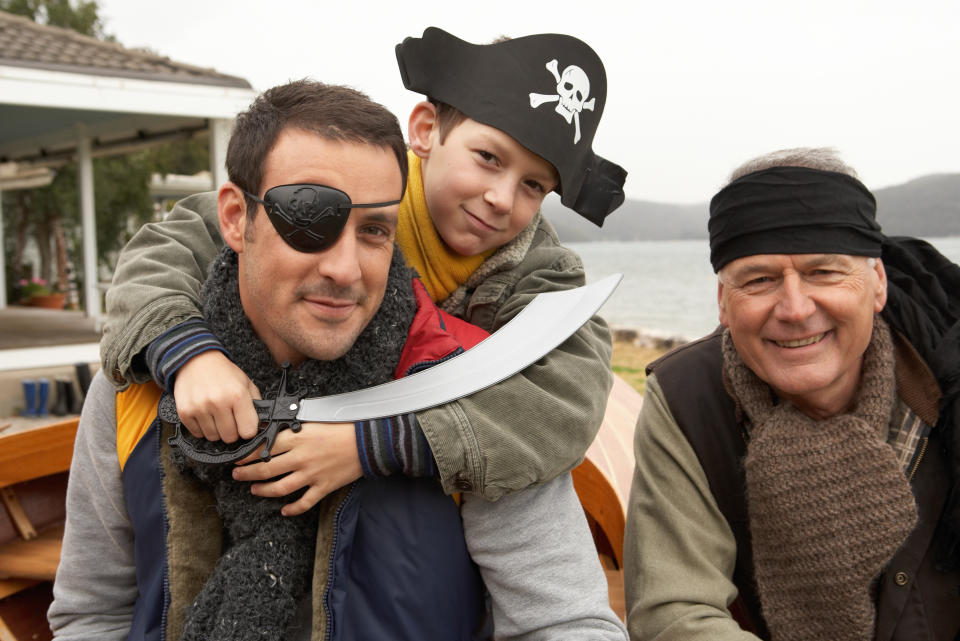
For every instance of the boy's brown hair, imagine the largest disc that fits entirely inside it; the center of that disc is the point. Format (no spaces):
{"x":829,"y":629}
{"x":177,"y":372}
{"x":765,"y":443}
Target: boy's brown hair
{"x":447,"y":118}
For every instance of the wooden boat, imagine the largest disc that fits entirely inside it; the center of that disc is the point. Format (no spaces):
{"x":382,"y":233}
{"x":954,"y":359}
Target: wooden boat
{"x":33,"y":474}
{"x":603,"y":484}
{"x":33,"y":482}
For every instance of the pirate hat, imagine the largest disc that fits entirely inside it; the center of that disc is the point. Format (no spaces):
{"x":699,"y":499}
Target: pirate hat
{"x":546,"y":91}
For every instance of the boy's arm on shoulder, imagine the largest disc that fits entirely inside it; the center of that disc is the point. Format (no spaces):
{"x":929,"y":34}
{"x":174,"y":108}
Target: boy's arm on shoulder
{"x":540,"y":591}
{"x":157,"y":283}
{"x":537,"y":424}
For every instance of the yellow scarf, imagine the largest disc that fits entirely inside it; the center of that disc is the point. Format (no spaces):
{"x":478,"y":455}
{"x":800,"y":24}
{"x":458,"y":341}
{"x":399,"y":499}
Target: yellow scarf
{"x":441,"y":269}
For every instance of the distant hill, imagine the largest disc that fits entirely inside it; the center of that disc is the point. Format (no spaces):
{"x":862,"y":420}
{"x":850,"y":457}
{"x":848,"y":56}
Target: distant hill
{"x":634,"y":220}
{"x":928,"y":207}
{"x":925,"y":207}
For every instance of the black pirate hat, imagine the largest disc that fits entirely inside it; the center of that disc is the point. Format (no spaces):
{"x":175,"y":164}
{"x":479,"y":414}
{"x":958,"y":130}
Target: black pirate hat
{"x":546,"y":91}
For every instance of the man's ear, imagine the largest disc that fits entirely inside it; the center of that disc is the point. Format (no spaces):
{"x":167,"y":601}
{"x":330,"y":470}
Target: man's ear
{"x":880,"y":295}
{"x":421,"y":128}
{"x":232,"y":212}
{"x":721,"y":305}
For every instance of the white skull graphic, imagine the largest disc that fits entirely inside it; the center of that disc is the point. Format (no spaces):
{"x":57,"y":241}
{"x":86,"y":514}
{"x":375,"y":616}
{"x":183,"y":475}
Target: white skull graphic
{"x":573,"y":89}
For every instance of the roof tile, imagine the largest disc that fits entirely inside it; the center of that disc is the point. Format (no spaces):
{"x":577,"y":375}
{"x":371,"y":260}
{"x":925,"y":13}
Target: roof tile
{"x":26,"y":43}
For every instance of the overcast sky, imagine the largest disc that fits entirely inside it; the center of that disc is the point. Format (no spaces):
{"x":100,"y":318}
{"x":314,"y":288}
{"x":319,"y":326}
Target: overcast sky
{"x":695,"y":88}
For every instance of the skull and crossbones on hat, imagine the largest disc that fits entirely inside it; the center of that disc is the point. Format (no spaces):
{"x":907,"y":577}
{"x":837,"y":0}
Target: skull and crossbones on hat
{"x":573,"y":88}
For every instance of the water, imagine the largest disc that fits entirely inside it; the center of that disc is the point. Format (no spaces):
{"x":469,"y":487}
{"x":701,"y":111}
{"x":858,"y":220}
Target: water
{"x":668,"y":287}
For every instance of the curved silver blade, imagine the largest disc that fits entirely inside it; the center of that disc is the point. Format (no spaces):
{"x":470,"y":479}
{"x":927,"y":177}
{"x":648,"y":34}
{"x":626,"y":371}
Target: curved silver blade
{"x":548,"y":320}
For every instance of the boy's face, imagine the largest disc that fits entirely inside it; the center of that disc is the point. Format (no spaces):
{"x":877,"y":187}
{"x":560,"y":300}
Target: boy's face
{"x":482,"y":187}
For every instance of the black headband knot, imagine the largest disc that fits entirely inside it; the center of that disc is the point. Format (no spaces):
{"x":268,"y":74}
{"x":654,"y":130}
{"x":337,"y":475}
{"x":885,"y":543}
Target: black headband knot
{"x":793,"y":210}
{"x":546,"y":91}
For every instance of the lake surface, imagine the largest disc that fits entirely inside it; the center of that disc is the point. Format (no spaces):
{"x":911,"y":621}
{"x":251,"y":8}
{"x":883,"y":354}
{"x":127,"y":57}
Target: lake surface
{"x":668,"y":287}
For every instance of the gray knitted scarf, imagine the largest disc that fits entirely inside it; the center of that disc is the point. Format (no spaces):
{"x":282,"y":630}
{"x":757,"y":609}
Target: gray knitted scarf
{"x":829,"y":505}
{"x":267,"y":564}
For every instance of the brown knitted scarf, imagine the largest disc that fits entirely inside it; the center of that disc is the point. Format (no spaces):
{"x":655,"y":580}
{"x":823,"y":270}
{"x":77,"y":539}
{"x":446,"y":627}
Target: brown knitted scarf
{"x":829,"y":504}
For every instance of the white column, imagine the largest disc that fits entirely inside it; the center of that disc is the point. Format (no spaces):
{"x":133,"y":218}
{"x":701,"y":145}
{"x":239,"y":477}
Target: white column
{"x":3,"y":261}
{"x":220,"y":129}
{"x":91,"y":295}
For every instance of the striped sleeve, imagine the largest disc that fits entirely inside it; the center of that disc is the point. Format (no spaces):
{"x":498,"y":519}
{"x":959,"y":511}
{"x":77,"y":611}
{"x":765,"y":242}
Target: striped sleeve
{"x":394,"y":445}
{"x":176,"y":346}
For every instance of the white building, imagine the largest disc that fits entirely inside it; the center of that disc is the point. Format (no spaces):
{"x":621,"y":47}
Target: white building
{"x":65,"y":97}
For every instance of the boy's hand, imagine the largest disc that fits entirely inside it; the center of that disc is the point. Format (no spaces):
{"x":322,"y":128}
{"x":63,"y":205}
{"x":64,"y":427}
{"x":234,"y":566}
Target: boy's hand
{"x":321,"y":457}
{"x":215,"y":398}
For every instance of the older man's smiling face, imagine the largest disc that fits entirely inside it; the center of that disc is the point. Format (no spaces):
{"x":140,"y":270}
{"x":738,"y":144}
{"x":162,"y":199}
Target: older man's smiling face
{"x":802,"y":322}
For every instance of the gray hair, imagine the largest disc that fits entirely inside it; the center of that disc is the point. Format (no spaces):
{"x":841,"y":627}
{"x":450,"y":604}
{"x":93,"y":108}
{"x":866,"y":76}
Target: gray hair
{"x":821,"y":158}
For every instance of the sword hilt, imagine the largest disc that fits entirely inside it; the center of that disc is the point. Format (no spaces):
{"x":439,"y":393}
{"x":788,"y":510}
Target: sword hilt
{"x":275,"y":414}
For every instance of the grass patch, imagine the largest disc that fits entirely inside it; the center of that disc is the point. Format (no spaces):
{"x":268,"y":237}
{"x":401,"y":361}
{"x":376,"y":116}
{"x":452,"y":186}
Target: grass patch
{"x":629,"y":362}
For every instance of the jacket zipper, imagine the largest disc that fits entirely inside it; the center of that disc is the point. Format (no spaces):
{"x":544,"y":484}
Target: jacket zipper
{"x":166,"y":532}
{"x":916,"y":464}
{"x":333,"y":555}
{"x":422,"y":365}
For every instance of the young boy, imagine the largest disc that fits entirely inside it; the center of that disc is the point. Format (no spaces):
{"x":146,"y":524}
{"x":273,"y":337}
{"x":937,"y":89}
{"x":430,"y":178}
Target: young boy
{"x":505,"y":124}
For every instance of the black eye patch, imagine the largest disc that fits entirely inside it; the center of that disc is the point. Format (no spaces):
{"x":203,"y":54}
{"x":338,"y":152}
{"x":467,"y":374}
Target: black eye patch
{"x":309,"y":218}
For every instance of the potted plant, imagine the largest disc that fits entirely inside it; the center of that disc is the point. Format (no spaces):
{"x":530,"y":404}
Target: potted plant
{"x":36,"y":293}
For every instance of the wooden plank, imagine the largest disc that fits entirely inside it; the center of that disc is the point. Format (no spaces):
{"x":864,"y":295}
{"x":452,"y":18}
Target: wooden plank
{"x":612,"y":450}
{"x":25,"y":614}
{"x":12,"y":586}
{"x":35,"y":452}
{"x":603,"y":480}
{"x":615,"y":589}
{"x":34,"y":559}
{"x":17,"y":515}
{"x":602,"y":503}
{"x":26,"y":455}
{"x":5,"y":633}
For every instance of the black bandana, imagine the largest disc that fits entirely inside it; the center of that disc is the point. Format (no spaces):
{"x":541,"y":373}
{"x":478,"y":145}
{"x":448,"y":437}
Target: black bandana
{"x":546,"y":91}
{"x":793,"y":210}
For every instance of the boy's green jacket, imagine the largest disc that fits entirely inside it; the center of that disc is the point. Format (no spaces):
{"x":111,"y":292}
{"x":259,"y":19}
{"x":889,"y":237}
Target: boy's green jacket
{"x":525,"y":430}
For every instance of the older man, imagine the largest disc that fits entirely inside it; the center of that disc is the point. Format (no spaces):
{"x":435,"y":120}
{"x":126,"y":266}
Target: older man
{"x":797,"y":470}
{"x":160,"y":546}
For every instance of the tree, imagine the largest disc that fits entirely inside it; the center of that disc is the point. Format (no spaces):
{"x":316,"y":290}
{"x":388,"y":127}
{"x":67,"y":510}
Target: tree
{"x":82,"y":17}
{"x":122,"y":201}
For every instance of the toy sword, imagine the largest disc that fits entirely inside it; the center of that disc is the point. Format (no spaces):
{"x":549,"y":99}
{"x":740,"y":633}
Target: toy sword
{"x":548,"y":320}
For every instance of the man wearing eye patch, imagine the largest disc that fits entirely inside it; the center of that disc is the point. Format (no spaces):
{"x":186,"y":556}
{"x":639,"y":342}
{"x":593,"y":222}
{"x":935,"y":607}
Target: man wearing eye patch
{"x":798,"y":471}
{"x":160,"y":546}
